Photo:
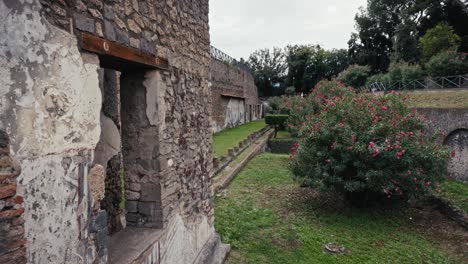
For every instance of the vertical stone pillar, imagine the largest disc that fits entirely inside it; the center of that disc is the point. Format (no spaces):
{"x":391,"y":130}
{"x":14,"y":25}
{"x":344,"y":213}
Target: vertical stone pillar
{"x":12,"y":240}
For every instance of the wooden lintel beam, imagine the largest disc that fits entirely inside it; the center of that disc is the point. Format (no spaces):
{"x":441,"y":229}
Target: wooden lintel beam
{"x":108,"y":48}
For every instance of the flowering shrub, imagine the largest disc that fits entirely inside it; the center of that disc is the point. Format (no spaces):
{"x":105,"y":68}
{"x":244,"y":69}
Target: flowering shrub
{"x":364,"y":146}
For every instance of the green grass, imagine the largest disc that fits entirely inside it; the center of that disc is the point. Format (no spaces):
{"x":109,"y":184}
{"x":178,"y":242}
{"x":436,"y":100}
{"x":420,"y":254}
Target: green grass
{"x":267,"y":218}
{"x":457,"y":193}
{"x":230,"y":138}
{"x":439,"y":99}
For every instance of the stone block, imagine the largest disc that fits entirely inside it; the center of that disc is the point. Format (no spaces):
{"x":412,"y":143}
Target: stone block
{"x":135,"y":43}
{"x":150,"y":209}
{"x":152,"y":164}
{"x":84,"y":23}
{"x":131,"y":206}
{"x":97,"y":183}
{"x":150,"y":192}
{"x":109,"y":12}
{"x":146,"y":46}
{"x":121,"y":37}
{"x":231,"y":152}
{"x":109,"y":31}
{"x":98,"y":222}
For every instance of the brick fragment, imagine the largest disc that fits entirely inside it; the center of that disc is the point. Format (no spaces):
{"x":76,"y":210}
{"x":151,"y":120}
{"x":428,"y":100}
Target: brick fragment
{"x":7,"y":191}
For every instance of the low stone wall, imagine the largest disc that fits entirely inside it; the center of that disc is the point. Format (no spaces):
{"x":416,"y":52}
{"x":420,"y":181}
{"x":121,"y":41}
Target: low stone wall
{"x":219,"y":163}
{"x":12,"y":240}
{"x":279,"y":146}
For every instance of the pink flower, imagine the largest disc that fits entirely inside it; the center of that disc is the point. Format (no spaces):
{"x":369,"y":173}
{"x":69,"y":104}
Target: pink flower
{"x":453,"y":154}
{"x":376,"y":152}
{"x":385,"y":191}
{"x":328,"y":161}
{"x":353,"y":138}
{"x":371,"y":144}
{"x":397,"y":189}
{"x":428,"y":183}
{"x":410,"y":172}
{"x":399,"y":154}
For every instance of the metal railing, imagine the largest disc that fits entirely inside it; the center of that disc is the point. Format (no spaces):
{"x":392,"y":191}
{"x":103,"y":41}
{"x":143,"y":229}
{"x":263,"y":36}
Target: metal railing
{"x":449,"y":82}
{"x":223,"y":57}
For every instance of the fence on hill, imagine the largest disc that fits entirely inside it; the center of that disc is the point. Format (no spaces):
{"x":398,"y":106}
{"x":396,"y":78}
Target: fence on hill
{"x":449,"y":82}
{"x":221,"y":56}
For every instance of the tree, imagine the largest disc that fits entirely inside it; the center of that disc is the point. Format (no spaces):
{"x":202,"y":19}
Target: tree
{"x":298,"y":57}
{"x":385,"y":27}
{"x":375,"y":25}
{"x":309,"y":64}
{"x":268,"y":67}
{"x":440,"y":38}
{"x":405,"y":43}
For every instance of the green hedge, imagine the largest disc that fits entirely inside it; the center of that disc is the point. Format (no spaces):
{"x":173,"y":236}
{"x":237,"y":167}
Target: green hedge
{"x":274,"y":120}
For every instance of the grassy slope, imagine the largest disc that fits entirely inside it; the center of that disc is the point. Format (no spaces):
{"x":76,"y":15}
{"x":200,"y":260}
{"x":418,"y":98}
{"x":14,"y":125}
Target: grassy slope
{"x":457,"y":193}
{"x":439,"y":99}
{"x":230,"y":138}
{"x":258,"y":217}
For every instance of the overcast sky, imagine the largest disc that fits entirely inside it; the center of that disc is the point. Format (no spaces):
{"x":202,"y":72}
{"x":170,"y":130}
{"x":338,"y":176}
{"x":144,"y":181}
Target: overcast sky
{"x":239,"y":27}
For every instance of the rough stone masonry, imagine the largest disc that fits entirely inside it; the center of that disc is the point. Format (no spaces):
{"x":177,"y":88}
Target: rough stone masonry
{"x":234,"y":95}
{"x":106,"y":107}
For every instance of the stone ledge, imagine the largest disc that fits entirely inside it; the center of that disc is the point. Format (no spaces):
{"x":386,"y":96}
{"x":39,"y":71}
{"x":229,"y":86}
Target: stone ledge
{"x":128,"y":245}
{"x":214,"y":252}
{"x":451,"y":211}
{"x":222,"y":181}
{"x":220,"y":163}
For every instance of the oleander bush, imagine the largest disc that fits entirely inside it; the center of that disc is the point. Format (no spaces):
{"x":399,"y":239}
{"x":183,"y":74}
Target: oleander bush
{"x":367,"y":147}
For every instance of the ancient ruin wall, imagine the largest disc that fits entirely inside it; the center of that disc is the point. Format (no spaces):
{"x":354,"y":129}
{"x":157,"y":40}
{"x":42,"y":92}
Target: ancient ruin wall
{"x":51,"y":108}
{"x":453,"y":125}
{"x":234,"y":95}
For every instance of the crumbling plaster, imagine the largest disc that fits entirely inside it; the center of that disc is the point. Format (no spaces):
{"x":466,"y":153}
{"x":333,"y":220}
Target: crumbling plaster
{"x":49,"y":97}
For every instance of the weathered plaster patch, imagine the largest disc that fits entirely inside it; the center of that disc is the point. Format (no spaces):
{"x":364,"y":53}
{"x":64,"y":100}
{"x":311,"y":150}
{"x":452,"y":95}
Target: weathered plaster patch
{"x":182,"y":242}
{"x":151,"y":84}
{"x":52,"y":92}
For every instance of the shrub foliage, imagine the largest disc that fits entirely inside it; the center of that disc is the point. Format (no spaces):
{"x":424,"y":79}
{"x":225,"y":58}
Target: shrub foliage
{"x":447,"y":63}
{"x":364,"y":146}
{"x":355,"y":75}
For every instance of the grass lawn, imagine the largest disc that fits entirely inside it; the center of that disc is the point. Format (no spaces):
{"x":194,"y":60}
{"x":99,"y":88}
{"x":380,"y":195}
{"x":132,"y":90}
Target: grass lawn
{"x":457,"y":193}
{"x":267,"y":218}
{"x":230,"y":138}
{"x":439,"y":99}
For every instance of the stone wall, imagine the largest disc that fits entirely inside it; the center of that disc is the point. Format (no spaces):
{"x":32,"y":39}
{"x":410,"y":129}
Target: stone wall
{"x":453,"y":125}
{"x":60,"y":108}
{"x":12,"y":241}
{"x":234,"y":96}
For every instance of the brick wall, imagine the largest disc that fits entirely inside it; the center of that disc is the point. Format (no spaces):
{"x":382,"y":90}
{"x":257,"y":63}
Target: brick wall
{"x":12,"y":241}
{"x":229,"y":85}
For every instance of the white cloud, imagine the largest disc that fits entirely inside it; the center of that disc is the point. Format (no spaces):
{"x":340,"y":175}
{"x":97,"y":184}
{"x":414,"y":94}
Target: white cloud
{"x":239,"y":27}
